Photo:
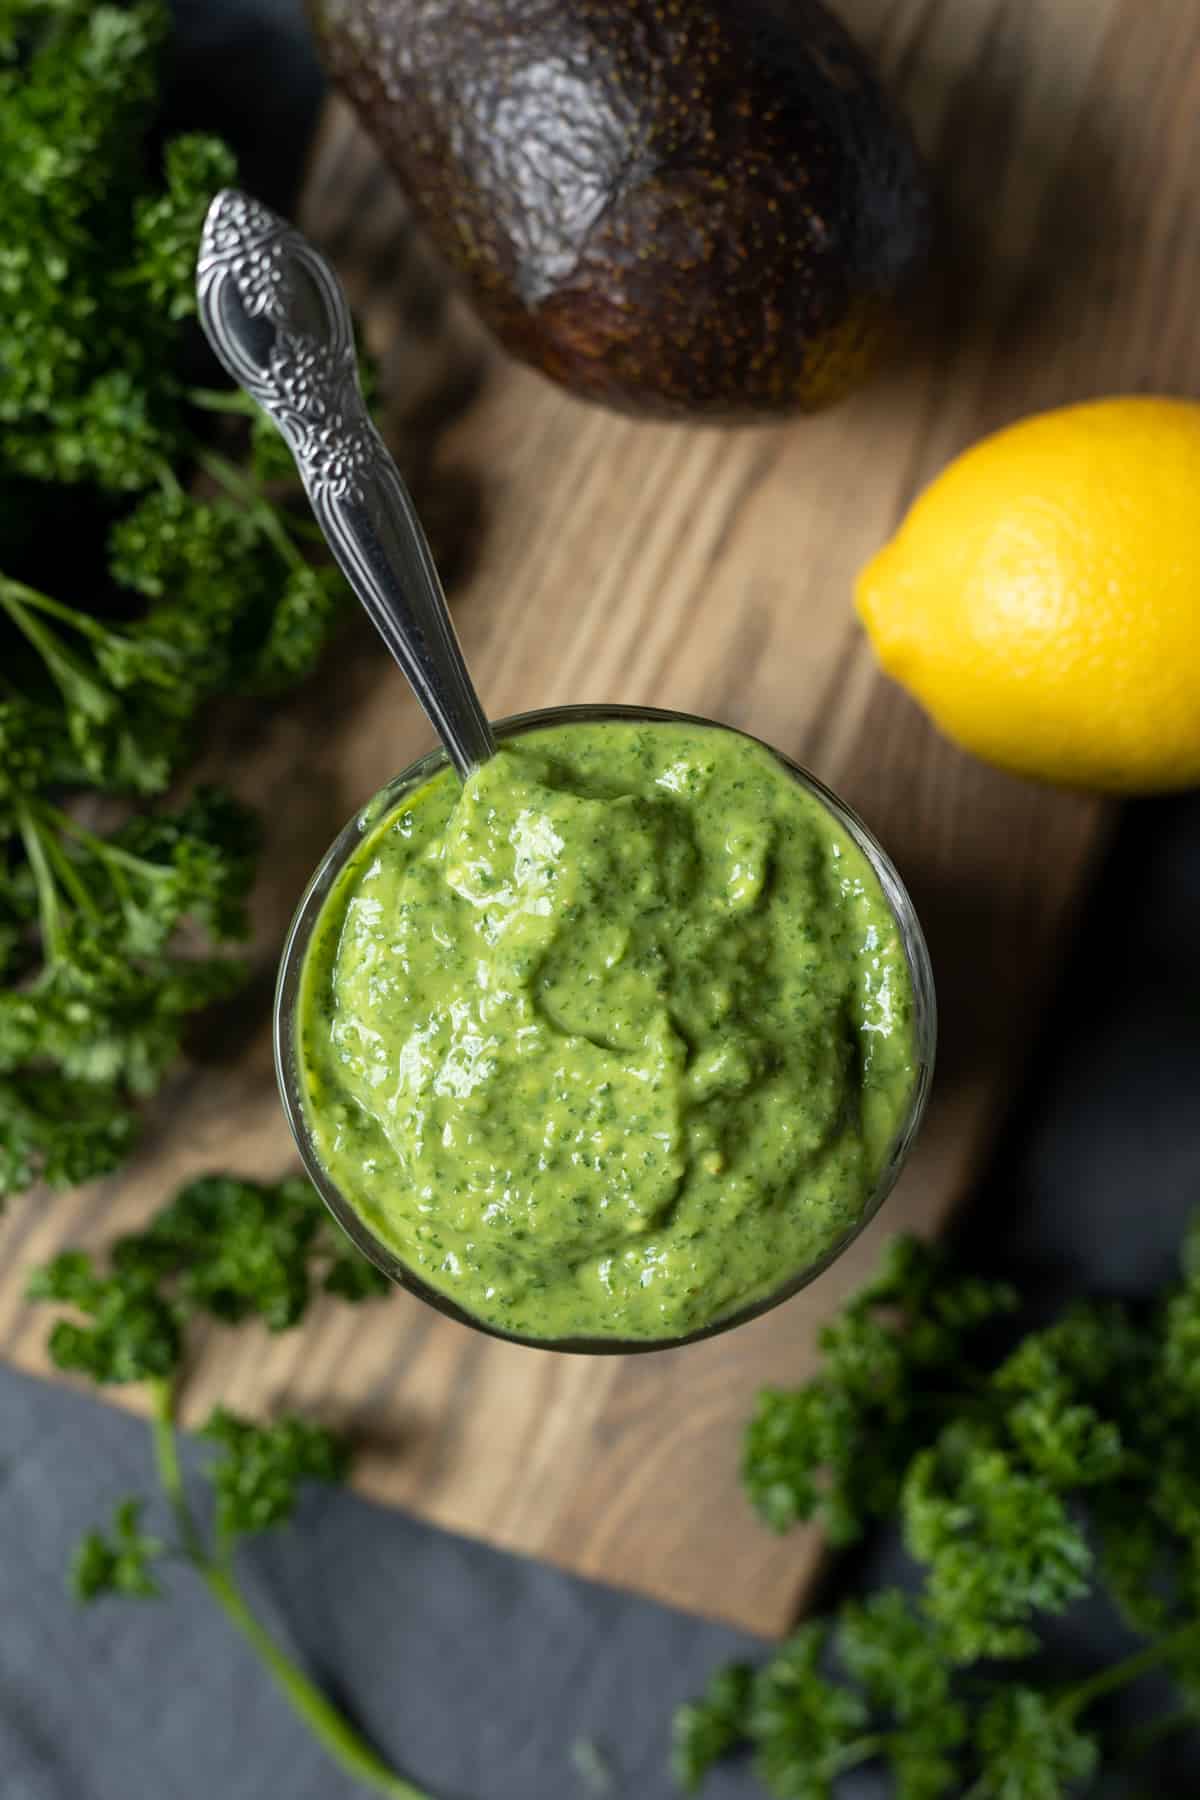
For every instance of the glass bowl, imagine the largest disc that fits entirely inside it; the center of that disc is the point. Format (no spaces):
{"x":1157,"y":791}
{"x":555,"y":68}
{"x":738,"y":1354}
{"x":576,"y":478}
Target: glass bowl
{"x":290,"y":1076}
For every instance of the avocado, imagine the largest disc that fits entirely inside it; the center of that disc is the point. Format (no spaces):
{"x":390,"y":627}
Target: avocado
{"x":699,"y":207}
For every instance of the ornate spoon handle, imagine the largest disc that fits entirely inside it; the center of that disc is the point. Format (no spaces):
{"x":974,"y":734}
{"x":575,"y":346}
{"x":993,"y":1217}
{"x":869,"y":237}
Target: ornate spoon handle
{"x":275,"y":314}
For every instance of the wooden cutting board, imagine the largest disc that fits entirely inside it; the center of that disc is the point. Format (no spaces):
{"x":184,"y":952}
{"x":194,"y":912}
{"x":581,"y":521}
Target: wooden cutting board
{"x":592,"y":558}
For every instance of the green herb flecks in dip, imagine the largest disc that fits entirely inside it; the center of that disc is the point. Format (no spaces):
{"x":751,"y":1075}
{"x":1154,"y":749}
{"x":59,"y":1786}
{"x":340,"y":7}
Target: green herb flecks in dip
{"x":613,"y":1039}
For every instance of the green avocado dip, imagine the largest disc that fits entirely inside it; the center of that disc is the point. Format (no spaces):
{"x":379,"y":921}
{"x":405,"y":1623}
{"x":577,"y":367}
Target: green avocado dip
{"x":612,"y":1040}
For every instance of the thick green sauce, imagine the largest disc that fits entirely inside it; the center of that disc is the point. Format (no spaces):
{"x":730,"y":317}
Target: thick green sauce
{"x":613,"y":1039}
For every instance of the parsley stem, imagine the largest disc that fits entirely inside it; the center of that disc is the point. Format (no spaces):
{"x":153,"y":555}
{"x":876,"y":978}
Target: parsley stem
{"x":859,"y":1750}
{"x":170,"y":1475}
{"x":308,"y":529}
{"x":106,"y":851}
{"x":69,"y":876}
{"x":330,"y":1727}
{"x":43,"y":878}
{"x":168,"y":481}
{"x":1119,"y":1674}
{"x":72,"y":678}
{"x":216,"y":400}
{"x":1146,"y":1736}
{"x":24,"y":596}
{"x":226,"y":475}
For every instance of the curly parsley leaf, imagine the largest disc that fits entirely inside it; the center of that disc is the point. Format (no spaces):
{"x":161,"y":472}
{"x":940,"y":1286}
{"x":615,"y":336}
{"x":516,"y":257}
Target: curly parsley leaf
{"x":259,"y":1476}
{"x":101,"y":1018}
{"x":835,"y":1449}
{"x":239,"y":1248}
{"x":167,"y":225}
{"x":805,"y":1728}
{"x":60,"y":1131}
{"x":999,"y":1546}
{"x":705,"y":1730}
{"x":1024,"y":1479}
{"x":119,"y":1561}
{"x":1029,"y":1748}
{"x":131,"y":1331}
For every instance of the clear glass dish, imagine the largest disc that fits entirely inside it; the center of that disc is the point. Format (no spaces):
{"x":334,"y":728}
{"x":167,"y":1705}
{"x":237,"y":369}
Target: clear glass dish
{"x":291,"y":1081}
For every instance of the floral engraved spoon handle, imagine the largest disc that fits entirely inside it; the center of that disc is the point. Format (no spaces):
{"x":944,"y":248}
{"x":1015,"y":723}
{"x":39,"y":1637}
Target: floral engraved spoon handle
{"x":275,"y":314}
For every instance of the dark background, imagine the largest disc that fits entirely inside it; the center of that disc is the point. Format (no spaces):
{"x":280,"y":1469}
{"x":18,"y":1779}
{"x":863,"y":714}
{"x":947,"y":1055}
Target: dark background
{"x":478,"y":1673}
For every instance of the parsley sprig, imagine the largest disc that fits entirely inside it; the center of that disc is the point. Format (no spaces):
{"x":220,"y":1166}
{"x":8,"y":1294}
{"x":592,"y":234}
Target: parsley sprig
{"x":229,"y":1250}
{"x":1023,"y":1480}
{"x":95,"y":1015}
{"x":151,"y":558}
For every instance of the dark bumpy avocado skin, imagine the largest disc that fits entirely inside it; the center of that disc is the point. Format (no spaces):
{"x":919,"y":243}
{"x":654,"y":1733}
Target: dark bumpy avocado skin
{"x":674,"y":206}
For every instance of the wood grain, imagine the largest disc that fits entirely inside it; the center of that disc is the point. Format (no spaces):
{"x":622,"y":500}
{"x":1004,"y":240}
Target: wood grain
{"x":593,"y":558}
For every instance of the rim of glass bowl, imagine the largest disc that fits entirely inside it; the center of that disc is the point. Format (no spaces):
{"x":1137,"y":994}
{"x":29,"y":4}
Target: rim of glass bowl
{"x":290,"y":1077}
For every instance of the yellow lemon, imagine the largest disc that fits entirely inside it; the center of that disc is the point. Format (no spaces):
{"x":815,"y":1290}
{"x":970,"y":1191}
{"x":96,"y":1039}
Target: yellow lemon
{"x":1042,"y":597}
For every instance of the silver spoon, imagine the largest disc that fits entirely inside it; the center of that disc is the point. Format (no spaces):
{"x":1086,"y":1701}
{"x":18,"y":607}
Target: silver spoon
{"x":275,"y":314}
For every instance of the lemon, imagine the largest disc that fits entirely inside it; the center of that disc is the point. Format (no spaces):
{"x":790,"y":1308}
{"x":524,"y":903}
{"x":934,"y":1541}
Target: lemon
{"x":1042,"y":596}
